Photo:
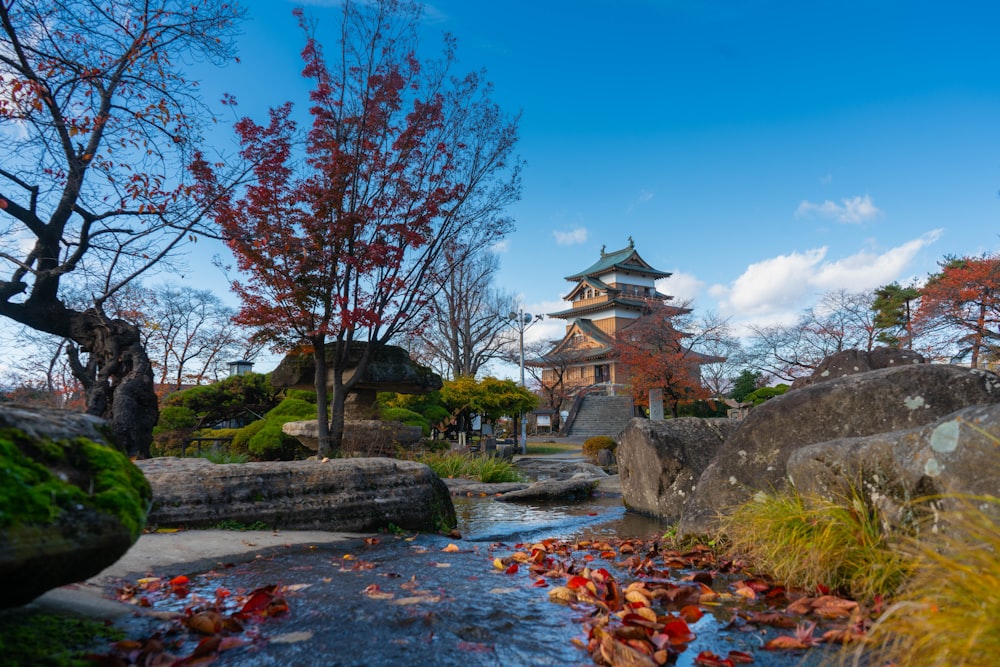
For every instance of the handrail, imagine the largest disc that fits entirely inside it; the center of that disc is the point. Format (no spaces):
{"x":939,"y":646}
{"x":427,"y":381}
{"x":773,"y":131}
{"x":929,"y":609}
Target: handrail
{"x":567,"y":423}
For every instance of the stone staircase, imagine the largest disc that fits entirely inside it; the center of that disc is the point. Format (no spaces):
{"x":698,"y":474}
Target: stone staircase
{"x":601,"y":415}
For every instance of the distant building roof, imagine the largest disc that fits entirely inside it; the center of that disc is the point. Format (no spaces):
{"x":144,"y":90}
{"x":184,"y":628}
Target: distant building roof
{"x":625,"y":260}
{"x":618,"y":301}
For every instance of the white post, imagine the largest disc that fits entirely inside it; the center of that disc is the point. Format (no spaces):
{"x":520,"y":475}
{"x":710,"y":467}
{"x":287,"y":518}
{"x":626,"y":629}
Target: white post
{"x":522,"y":319}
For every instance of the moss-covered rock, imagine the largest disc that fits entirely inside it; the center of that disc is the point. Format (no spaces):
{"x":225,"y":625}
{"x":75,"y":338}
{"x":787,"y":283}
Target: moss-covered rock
{"x":70,"y":503}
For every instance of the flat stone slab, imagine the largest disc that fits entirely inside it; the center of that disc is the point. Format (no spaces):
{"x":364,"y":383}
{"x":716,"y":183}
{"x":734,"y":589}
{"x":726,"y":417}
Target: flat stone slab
{"x":353,"y":494}
{"x":552,"y":489}
{"x":469,"y":487}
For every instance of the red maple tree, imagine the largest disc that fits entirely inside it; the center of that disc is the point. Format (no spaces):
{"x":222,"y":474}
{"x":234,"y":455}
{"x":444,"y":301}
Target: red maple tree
{"x":658,"y":355}
{"x":964,"y":296}
{"x":402,"y":160}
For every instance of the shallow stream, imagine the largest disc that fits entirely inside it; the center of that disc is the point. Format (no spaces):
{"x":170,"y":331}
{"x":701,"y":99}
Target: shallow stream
{"x":416,"y":600}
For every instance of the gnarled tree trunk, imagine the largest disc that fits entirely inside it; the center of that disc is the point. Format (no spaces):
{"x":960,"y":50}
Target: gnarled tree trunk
{"x":117,"y":377}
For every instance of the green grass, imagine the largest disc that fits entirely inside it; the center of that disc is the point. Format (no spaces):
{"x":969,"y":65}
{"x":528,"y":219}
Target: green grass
{"x":33,"y":638}
{"x":549,"y":447}
{"x":812,"y":542}
{"x":224,"y":457}
{"x":482,"y":468}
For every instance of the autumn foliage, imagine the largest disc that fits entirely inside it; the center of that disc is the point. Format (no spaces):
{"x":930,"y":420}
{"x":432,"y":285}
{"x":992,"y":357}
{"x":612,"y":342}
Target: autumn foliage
{"x":657,"y":356}
{"x":965,"y":297}
{"x":401,"y":160}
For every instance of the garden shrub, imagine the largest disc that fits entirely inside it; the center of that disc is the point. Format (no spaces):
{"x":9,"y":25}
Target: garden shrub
{"x":264,"y":439}
{"x":270,"y":443}
{"x":591,"y":446}
{"x":295,"y":408}
{"x":408,"y":417}
{"x":302,"y":395}
{"x":241,"y":440}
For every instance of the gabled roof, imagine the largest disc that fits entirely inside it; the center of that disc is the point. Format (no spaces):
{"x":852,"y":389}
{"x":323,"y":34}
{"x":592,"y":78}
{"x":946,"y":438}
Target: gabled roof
{"x":593,"y":283}
{"x":626,"y":259}
{"x":587,"y":328}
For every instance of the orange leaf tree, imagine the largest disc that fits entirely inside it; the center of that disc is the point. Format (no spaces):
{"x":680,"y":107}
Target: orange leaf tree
{"x":964,"y":297}
{"x":402,"y":160}
{"x":97,"y":121}
{"x":659,"y":355}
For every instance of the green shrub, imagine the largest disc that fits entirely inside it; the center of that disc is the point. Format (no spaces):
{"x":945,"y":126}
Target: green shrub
{"x":591,"y":446}
{"x":241,"y":440}
{"x":264,"y":439}
{"x":766,"y":393}
{"x":294,"y":408}
{"x":302,"y":395}
{"x":482,"y":468}
{"x":270,"y":443}
{"x":173,"y":417}
{"x":408,"y":417}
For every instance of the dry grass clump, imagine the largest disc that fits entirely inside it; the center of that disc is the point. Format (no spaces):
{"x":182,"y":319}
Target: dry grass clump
{"x":948,"y":614}
{"x":813,"y":542}
{"x":592,"y":446}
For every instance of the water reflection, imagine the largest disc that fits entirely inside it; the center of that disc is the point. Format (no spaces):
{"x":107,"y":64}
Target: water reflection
{"x":486,"y":520}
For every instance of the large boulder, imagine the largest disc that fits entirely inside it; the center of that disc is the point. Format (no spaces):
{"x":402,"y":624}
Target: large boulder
{"x":952,"y":457}
{"x":660,"y":461}
{"x":891,"y":399}
{"x":849,"y":362}
{"x":356,"y":494}
{"x":71,"y":503}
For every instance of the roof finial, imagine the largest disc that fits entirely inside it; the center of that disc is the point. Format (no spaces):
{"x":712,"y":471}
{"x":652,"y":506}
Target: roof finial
{"x":631,"y":243}
{"x":602,"y":249}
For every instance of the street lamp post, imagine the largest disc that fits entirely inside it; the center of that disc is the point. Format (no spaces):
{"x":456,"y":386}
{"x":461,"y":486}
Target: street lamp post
{"x":521,"y":320}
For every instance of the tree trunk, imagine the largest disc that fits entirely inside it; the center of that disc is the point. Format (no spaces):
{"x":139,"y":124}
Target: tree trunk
{"x":337,"y":411}
{"x":117,"y":378}
{"x":319,"y":384}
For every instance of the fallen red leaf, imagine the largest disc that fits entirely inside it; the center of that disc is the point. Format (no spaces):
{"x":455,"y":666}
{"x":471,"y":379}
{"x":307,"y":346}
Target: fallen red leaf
{"x":784,"y":642}
{"x":740,"y":658}
{"x":691,"y":613}
{"x":258,"y":600}
{"x":474,"y":647}
{"x":709,"y":659}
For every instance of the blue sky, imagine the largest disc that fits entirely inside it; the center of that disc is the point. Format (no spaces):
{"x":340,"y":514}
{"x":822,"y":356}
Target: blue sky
{"x":764,"y":151}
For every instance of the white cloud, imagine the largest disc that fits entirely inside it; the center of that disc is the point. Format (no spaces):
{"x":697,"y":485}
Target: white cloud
{"x":574,"y":237}
{"x":501,"y":246}
{"x":852,"y":210}
{"x":682,"y":286}
{"x":771,"y":285}
{"x":776,"y":289}
{"x":643,"y":197}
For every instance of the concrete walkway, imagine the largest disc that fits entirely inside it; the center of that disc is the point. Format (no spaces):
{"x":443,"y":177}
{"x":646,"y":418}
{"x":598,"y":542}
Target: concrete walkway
{"x":172,"y":554}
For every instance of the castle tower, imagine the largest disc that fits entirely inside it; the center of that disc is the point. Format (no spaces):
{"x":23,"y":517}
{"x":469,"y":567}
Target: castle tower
{"x":606,"y":297}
